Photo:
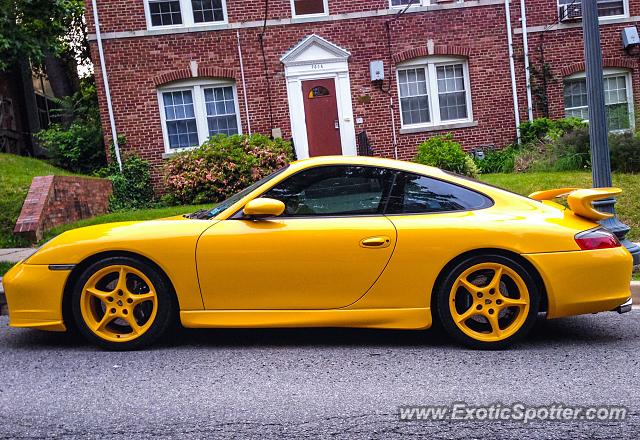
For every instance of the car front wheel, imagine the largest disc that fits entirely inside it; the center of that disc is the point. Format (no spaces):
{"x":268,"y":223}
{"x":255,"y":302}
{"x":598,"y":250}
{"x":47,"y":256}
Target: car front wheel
{"x":122,"y":303}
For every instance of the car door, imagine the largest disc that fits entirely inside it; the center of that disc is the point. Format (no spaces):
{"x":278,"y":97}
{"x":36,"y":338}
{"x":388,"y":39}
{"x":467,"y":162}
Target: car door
{"x":325,"y":251}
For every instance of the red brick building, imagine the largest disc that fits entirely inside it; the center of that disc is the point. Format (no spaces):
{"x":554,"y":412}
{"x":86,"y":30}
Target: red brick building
{"x":180,"y":70}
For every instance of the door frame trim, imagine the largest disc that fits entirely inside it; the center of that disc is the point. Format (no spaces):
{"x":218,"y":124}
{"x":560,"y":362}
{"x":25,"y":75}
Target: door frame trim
{"x":337,"y":68}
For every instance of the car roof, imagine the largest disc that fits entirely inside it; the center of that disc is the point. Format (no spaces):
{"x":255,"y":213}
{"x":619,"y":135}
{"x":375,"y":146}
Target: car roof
{"x":367,"y":160}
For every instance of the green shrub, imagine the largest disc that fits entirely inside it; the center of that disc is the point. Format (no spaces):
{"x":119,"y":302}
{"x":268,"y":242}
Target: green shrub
{"x":76,"y":144}
{"x":568,"y":152}
{"x":545,"y":128}
{"x":132,"y":188}
{"x":552,"y":145}
{"x":546,"y":144}
{"x":625,"y":152}
{"x":443,"y":152}
{"x":223,"y":166}
{"x":571,"y":151}
{"x":498,"y":161}
{"x":530,"y":158}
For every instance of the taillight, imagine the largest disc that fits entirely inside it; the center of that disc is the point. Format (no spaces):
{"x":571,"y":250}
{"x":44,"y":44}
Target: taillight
{"x":598,"y":238}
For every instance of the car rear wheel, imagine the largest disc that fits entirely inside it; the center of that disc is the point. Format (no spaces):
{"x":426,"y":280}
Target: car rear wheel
{"x":121,"y":303}
{"x":488,"y":301}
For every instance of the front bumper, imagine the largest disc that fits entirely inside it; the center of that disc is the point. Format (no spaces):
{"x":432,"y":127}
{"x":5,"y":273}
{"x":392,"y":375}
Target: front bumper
{"x":34,"y":296}
{"x":579,"y":282}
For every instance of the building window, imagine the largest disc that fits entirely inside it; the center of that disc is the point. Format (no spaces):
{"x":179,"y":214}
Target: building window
{"x":451,"y":92}
{"x":165,"y":13}
{"x":434,"y":91}
{"x":307,"y":8}
{"x":405,"y":3}
{"x":606,"y":8}
{"x":184,"y":12}
{"x":180,"y":119}
{"x":191,"y":112}
{"x":221,"y":110}
{"x":617,"y":96}
{"x":205,"y":11}
{"x":414,"y":98}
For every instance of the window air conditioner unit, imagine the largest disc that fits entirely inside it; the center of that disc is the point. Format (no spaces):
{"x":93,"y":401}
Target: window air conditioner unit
{"x":570,"y":12}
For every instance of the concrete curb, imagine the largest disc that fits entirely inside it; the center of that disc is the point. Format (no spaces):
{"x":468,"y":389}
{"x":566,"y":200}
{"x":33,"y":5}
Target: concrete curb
{"x":635,"y":292}
{"x":3,"y":301}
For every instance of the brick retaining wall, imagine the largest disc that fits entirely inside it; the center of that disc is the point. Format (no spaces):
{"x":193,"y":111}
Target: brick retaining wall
{"x":57,"y":200}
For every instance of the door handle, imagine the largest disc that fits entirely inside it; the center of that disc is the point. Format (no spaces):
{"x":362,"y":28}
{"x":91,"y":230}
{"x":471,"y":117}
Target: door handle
{"x":336,"y":124}
{"x":375,"y":242}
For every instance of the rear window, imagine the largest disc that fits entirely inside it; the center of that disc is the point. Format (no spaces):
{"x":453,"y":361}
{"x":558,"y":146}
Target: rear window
{"x":417,"y":194}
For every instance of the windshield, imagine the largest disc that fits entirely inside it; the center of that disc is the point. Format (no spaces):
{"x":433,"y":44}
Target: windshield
{"x":237,"y":196}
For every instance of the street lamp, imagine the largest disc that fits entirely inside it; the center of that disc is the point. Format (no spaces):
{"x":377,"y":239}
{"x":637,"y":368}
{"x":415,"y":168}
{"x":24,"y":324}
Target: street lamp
{"x":598,"y":135}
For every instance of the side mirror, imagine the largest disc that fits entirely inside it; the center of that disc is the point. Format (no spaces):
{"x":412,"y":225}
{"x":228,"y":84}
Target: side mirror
{"x":263,"y":207}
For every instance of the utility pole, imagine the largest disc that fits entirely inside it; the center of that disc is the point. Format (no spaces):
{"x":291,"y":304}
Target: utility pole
{"x":598,"y":134}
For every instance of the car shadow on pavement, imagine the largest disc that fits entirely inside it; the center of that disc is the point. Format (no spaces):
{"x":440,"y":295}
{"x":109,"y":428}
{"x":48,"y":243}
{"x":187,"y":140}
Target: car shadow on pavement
{"x":580,"y":330}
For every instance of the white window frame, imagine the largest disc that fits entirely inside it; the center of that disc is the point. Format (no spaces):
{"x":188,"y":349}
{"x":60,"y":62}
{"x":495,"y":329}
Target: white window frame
{"x":628,"y":84}
{"x":186,"y":11}
{"x":430,"y":64}
{"x":196,"y":87}
{"x":608,"y":17}
{"x":415,"y":4}
{"x":324,"y":14}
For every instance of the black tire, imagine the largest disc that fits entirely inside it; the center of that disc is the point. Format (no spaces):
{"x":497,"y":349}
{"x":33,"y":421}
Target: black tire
{"x":165,"y":316}
{"x":443,"y":313}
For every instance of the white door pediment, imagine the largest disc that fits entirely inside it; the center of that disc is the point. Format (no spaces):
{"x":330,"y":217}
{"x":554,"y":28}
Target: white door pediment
{"x":314,"y":49}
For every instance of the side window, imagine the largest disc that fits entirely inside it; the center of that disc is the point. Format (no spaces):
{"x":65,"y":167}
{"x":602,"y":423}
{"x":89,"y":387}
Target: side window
{"x":334,"y":190}
{"x":415,"y":194}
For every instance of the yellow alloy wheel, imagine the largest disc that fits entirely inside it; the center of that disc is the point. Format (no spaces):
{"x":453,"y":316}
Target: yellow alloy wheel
{"x":489,"y":302}
{"x":118,"y":303}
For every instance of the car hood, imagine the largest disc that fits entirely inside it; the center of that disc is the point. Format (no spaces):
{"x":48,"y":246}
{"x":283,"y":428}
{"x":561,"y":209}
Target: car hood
{"x":74,"y":245}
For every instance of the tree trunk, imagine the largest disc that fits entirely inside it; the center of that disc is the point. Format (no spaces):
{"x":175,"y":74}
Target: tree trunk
{"x":63,"y":77}
{"x":62,"y":74}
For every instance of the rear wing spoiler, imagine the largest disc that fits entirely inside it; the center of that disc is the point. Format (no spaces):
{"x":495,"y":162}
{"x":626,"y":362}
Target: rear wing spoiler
{"x":579,"y":200}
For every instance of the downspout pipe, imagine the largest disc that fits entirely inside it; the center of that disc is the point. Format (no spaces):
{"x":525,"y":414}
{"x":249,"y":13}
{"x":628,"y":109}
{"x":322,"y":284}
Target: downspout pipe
{"x":525,"y":47}
{"x":512,"y":68}
{"x":244,"y":83}
{"x":393,"y":124}
{"x":105,"y":80}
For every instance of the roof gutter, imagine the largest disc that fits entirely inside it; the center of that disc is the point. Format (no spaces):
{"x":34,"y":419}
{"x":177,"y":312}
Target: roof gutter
{"x":105,"y":80}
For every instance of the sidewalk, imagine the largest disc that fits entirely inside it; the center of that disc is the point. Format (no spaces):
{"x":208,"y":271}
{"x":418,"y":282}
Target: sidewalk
{"x":13,"y":255}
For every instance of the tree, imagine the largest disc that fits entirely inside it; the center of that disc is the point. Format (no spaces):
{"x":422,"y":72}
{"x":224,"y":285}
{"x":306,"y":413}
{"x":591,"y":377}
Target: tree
{"x":48,"y":33}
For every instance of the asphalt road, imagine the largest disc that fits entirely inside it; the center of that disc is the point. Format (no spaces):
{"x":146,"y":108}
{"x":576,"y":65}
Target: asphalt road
{"x":320,"y":383}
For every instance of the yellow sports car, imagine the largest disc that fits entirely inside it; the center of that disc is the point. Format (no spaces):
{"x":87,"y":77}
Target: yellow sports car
{"x":334,"y":242}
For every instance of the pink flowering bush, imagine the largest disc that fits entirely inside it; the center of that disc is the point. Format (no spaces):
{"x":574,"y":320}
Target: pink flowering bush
{"x":223,"y":166}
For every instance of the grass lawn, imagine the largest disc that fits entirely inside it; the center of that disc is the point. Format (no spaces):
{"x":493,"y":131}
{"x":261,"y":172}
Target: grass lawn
{"x":628,"y":206}
{"x":4,"y":267}
{"x":140,"y":214}
{"x":16,"y":173}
